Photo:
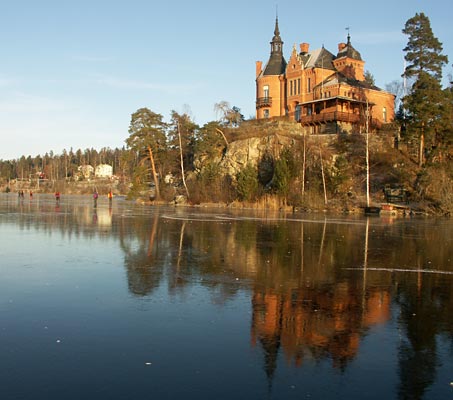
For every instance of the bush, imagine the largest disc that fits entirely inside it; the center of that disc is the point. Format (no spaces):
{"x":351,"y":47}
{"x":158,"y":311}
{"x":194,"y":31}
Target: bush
{"x":247,"y":183}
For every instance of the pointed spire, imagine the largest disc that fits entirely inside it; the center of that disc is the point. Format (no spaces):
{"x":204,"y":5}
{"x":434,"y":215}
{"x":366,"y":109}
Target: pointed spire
{"x":277,"y":42}
{"x":276,"y":64}
{"x":276,"y":32}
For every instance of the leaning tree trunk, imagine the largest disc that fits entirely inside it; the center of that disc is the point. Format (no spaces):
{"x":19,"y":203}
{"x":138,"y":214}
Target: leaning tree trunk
{"x":153,"y":168}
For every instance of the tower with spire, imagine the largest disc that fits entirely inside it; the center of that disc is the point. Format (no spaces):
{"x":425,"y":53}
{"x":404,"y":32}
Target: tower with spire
{"x":276,"y":64}
{"x":270,"y":81}
{"x":349,"y":62}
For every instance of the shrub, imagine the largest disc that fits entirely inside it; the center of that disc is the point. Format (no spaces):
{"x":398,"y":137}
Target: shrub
{"x":247,"y":183}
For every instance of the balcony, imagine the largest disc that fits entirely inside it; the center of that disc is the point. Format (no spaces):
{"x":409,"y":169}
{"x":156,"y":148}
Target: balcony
{"x":334,"y":116}
{"x":263,"y":102}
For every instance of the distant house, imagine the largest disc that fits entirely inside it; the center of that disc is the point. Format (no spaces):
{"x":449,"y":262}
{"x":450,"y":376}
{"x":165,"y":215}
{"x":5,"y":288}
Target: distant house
{"x":103,"y":171}
{"x":86,"y":171}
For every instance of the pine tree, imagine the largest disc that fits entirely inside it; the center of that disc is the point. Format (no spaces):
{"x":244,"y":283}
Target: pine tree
{"x":247,"y":183}
{"x":424,"y":103}
{"x":284,"y":171}
{"x":147,"y":138}
{"x":423,"y":50}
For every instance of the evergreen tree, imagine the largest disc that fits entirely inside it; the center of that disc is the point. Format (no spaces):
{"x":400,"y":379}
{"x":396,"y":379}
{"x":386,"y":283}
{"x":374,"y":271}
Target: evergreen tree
{"x":209,"y":140}
{"x":369,"y":78}
{"x":423,"y":50}
{"x":147,"y":138}
{"x":424,"y":103}
{"x":247,"y":183}
{"x":284,"y":171}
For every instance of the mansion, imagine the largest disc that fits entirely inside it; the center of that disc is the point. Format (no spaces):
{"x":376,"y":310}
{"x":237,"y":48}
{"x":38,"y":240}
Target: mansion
{"x":325,"y":93}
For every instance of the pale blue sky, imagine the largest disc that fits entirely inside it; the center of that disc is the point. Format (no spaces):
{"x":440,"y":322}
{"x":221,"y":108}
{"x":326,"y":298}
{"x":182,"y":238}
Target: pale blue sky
{"x":73,"y":72}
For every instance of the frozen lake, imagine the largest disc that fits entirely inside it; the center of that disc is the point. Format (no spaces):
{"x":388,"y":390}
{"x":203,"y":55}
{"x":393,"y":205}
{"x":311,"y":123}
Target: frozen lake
{"x":142,"y":302}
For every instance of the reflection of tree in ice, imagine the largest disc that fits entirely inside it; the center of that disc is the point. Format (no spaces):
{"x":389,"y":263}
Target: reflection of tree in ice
{"x":140,"y":257}
{"x":426,"y":305}
{"x":178,"y":253}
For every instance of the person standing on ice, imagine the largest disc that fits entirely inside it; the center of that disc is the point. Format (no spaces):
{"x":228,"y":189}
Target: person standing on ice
{"x":95,"y":198}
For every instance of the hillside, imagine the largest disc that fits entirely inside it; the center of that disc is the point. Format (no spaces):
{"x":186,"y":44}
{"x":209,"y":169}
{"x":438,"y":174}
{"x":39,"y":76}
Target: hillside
{"x":336,"y":162}
{"x":266,"y":163}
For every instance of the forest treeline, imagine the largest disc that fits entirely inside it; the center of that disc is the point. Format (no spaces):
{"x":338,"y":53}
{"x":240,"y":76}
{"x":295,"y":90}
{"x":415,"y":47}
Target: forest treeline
{"x":167,"y":159}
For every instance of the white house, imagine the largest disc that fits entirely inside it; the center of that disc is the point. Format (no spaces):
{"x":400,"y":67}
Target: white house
{"x":103,"y":171}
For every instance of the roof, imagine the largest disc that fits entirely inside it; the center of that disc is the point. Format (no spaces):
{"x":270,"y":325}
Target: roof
{"x":276,"y":65}
{"x":319,"y":58}
{"x":349,"y":51}
{"x":338,"y":77}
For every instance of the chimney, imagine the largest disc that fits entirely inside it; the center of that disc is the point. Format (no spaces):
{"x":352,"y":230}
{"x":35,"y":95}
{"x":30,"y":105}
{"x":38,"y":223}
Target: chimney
{"x":304,"y":47}
{"x":259,"y":66}
{"x":341,"y":46}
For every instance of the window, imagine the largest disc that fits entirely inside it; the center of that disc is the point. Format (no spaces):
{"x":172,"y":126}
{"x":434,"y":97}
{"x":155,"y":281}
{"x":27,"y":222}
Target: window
{"x":266,"y":113}
{"x":298,"y":86}
{"x":297,"y":113}
{"x":384,"y":114}
{"x":308,"y":85}
{"x":266,"y":91}
{"x":290,"y":88}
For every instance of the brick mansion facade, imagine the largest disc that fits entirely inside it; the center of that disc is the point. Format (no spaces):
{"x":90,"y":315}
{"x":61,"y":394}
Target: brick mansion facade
{"x":325,"y":93}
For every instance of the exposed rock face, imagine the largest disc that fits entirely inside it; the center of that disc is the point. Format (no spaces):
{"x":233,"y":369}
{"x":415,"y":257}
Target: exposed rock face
{"x":253,"y":151}
{"x":260,"y":145}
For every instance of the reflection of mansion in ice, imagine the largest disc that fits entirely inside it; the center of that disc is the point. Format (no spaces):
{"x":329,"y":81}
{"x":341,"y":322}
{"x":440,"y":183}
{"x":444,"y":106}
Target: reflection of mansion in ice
{"x":309,"y":323}
{"x":324,"y":92}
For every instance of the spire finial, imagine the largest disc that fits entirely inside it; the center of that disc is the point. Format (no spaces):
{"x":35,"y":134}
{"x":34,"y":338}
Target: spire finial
{"x":276,"y":30}
{"x":349,"y":37}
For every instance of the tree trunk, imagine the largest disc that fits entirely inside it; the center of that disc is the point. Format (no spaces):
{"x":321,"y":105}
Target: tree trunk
{"x":323,"y":177}
{"x":182,"y":162}
{"x":421,"y":149}
{"x":223,"y":135}
{"x":303,"y":168}
{"x":153,"y":168}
